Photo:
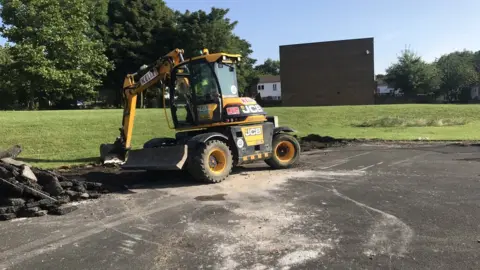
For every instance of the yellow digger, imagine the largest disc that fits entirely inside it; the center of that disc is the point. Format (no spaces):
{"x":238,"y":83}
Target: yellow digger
{"x":215,"y":129}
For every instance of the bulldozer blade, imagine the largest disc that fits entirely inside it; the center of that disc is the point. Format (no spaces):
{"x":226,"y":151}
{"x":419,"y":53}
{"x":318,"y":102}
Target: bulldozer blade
{"x":110,"y":154}
{"x":161,"y":158}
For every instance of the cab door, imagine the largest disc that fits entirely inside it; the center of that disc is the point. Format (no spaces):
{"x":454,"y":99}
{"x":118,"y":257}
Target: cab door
{"x":207,"y":95}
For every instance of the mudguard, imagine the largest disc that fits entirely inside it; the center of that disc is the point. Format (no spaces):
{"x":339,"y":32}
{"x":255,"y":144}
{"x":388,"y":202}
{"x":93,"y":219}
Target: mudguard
{"x":282,"y":129}
{"x":202,"y":138}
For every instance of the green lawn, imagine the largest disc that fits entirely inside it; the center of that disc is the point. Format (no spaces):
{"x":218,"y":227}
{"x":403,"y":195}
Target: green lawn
{"x":53,"y":138}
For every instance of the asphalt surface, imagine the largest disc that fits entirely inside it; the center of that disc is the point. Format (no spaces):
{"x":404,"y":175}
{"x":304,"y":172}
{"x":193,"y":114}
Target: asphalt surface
{"x":357,"y":207}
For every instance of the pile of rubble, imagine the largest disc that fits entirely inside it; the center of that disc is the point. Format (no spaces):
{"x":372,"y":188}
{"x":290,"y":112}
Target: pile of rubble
{"x":314,"y":141}
{"x":26,"y":191}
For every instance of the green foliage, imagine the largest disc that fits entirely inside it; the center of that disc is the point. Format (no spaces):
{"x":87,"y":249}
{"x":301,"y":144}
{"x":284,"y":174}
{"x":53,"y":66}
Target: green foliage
{"x":379,"y":77}
{"x":476,"y":59}
{"x":8,"y":94}
{"x":411,"y":75}
{"x":458,"y":74}
{"x":4,"y":56}
{"x":214,"y":30}
{"x":269,"y":67}
{"x":135,"y":32}
{"x":63,"y":49}
{"x":53,"y":57}
{"x":206,"y":30}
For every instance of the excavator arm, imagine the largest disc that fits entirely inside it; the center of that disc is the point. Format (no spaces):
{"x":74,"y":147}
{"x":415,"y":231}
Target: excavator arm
{"x":158,"y":72}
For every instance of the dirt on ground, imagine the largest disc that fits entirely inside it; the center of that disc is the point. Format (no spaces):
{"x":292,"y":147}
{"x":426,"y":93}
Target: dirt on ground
{"x":362,"y":206}
{"x":30,"y":192}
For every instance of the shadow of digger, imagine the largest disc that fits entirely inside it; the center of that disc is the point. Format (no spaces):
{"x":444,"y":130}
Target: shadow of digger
{"x":125,"y":182}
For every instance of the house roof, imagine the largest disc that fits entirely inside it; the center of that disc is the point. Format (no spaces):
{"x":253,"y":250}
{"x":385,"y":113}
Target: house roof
{"x":269,"y":78}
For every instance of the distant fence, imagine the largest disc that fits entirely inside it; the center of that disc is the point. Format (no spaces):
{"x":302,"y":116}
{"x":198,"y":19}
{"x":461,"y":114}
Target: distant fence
{"x":387,"y":99}
{"x":423,"y":99}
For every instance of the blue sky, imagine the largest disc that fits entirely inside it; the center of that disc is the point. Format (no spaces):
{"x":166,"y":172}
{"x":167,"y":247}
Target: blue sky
{"x":429,"y":27}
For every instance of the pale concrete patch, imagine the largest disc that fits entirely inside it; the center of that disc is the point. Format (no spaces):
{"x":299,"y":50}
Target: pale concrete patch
{"x":274,"y":233}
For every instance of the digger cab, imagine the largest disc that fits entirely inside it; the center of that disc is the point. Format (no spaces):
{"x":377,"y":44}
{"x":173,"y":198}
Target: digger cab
{"x":202,"y":87}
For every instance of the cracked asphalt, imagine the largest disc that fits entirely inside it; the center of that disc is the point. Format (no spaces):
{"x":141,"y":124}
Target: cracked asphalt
{"x":355,"y":207}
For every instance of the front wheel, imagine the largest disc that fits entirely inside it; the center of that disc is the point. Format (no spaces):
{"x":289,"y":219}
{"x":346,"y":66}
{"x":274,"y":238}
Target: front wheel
{"x":286,"y":151}
{"x":212,"y":163}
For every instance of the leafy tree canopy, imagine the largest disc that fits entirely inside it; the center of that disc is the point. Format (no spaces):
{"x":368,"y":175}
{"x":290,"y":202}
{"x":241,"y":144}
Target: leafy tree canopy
{"x":412,"y":75}
{"x":269,"y":67}
{"x":53,"y":55}
{"x":457,"y":74}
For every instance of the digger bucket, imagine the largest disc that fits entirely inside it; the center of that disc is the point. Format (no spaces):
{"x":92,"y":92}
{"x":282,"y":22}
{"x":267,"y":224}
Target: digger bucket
{"x":161,"y":158}
{"x":111,"y":154}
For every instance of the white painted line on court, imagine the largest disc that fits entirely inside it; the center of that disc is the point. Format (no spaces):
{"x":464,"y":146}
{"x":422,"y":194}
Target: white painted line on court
{"x":368,"y":167}
{"x":409,"y":159}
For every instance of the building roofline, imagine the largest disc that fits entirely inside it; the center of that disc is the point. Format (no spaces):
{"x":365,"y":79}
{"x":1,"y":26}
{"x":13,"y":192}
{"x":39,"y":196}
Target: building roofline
{"x":269,"y":79}
{"x":325,"y":42}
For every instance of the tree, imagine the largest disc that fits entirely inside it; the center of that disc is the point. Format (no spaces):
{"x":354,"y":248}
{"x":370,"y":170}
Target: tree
{"x":458,"y":74}
{"x":269,"y":67}
{"x":213,"y":30}
{"x":4,"y":56}
{"x":476,"y":59}
{"x":379,"y":77}
{"x":136,"y":32}
{"x":98,"y":17}
{"x":53,"y":57}
{"x":246,"y":75}
{"x":411,"y":75}
{"x":8,"y":96}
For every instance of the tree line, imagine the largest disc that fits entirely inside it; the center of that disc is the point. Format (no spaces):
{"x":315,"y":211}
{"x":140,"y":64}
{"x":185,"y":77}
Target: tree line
{"x":451,"y":76}
{"x":62,"y":51}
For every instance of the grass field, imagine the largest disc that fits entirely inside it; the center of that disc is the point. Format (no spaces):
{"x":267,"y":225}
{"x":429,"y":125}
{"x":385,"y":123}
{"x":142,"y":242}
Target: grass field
{"x":54,"y":138}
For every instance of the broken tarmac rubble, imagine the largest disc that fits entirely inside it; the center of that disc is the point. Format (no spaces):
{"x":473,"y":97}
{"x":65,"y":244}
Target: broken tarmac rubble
{"x":314,"y":141}
{"x":26,"y":191}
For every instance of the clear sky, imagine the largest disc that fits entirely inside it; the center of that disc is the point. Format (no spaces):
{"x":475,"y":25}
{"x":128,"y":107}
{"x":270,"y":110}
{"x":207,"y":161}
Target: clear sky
{"x":430,"y":27}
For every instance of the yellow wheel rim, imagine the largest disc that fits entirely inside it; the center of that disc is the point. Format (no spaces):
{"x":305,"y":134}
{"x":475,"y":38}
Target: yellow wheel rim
{"x":217,"y":161}
{"x":285,"y":151}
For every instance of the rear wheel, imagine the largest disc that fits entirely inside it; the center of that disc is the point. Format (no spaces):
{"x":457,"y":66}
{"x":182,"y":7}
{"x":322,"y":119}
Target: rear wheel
{"x":212,"y":162}
{"x":286,"y":151}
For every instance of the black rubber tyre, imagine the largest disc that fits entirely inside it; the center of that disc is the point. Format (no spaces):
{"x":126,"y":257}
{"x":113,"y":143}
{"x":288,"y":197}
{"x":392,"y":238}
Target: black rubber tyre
{"x":286,"y":152}
{"x":212,"y":162}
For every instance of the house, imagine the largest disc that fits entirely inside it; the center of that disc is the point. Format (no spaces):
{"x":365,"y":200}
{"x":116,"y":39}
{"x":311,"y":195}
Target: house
{"x":269,"y":87}
{"x":383,"y":88}
{"x":475,"y":92}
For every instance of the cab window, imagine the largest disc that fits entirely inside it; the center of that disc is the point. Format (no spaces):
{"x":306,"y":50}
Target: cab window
{"x":203,"y":83}
{"x":227,"y":78}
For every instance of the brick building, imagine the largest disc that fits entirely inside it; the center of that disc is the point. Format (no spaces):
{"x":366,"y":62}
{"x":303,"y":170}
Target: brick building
{"x":328,"y":73}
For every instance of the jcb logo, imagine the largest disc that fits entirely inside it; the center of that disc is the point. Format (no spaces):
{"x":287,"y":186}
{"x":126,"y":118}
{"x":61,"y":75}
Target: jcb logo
{"x":253,"y":131}
{"x":251,"y":109}
{"x":253,"y":135}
